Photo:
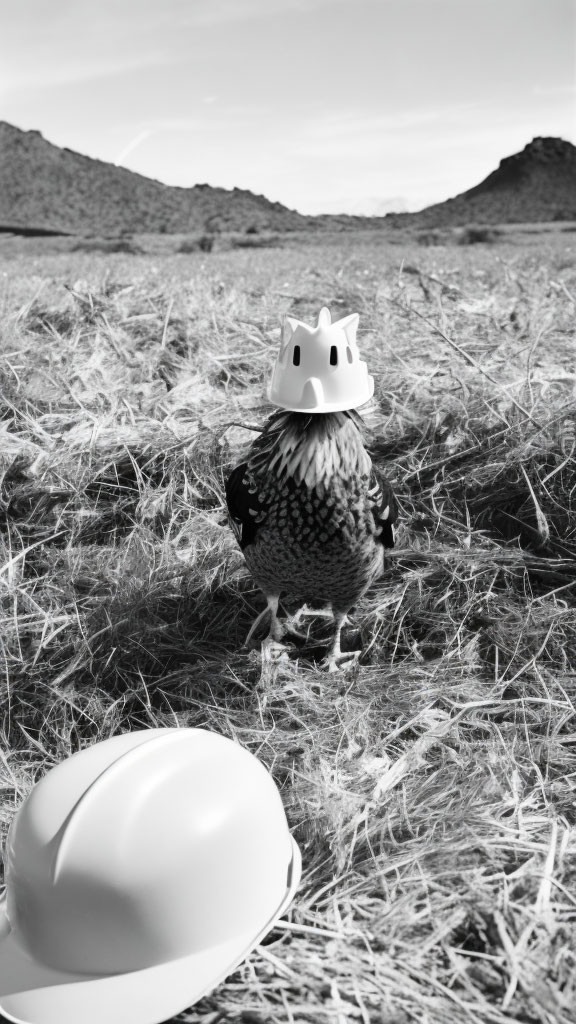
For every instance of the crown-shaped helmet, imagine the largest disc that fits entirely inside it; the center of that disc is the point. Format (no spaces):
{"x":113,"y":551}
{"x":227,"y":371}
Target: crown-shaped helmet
{"x":319,"y":369}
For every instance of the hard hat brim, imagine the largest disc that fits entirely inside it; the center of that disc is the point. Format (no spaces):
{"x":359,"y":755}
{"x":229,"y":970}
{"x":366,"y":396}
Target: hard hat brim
{"x":325,"y":407}
{"x":341,"y":405}
{"x":31,"y":993}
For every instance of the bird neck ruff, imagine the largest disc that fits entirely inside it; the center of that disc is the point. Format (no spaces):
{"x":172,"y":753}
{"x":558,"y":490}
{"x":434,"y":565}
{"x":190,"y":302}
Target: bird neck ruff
{"x":311,"y":449}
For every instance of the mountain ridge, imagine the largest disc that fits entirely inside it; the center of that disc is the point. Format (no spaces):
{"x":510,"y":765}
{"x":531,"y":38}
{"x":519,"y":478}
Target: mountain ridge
{"x":48,"y":189}
{"x":536,"y":184}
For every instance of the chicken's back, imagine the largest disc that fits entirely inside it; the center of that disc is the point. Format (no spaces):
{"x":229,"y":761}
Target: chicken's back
{"x":313,"y":515}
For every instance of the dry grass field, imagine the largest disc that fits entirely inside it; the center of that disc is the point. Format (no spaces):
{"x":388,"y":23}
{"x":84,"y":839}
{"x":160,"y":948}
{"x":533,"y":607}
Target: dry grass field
{"x":432,"y":788}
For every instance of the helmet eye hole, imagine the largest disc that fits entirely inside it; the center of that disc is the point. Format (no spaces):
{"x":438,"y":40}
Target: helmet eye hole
{"x":349,"y":353}
{"x":333,"y":355}
{"x":296,"y":355}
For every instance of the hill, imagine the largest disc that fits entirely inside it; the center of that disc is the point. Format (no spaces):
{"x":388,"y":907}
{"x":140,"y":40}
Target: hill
{"x":45,"y":187}
{"x":537,"y":184}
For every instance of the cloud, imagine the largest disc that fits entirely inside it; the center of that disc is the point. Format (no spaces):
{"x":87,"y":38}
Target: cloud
{"x":425,"y":155}
{"x":215,"y":12}
{"x":132,"y":145}
{"x":554,"y":90}
{"x":46,"y":44}
{"x":43,"y":73}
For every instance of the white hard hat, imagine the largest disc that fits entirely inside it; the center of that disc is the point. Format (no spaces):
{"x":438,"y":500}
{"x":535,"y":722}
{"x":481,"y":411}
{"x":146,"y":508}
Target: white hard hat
{"x":140,"y":873}
{"x":319,"y":369}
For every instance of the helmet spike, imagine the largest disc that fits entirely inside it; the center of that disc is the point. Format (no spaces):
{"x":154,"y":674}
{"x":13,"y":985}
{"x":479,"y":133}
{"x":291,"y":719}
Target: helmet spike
{"x":349,"y":324}
{"x":288,"y":327}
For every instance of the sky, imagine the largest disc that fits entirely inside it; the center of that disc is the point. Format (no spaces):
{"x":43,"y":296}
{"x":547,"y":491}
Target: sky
{"x":322,"y":105}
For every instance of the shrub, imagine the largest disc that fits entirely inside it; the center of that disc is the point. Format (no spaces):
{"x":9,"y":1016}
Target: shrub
{"x":431,"y":237}
{"x":473,"y":233}
{"x":203,"y":243}
{"x":206,"y":243}
{"x":252,"y":242}
{"x":126,"y":245}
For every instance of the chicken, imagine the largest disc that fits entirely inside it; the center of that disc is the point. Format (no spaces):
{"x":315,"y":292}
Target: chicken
{"x":312,"y":514}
